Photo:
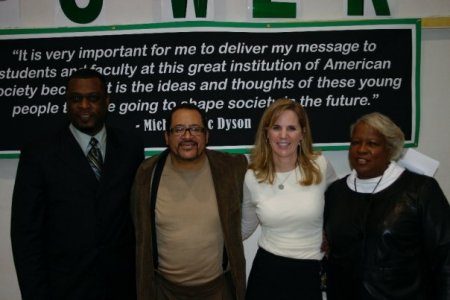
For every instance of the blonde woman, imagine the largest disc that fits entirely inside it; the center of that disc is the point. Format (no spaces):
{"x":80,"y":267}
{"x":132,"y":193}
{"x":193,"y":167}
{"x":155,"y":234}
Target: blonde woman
{"x":284,"y":193}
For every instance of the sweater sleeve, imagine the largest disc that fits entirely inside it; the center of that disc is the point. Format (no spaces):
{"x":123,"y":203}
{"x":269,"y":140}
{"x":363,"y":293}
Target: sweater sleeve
{"x":249,"y":218}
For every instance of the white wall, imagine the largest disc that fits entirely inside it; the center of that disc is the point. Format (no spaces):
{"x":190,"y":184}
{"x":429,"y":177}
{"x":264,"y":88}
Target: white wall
{"x":434,"y":138}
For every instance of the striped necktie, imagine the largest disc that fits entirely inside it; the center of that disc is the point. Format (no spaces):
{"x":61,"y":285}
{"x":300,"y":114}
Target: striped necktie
{"x":94,"y":157}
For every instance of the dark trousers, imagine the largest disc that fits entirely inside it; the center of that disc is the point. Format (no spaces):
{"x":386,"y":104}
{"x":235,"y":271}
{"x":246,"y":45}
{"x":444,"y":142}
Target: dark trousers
{"x":281,"y":278}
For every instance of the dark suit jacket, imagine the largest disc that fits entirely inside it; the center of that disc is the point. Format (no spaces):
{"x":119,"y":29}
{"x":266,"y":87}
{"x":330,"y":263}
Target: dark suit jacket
{"x":72,"y":236}
{"x":228,"y":173}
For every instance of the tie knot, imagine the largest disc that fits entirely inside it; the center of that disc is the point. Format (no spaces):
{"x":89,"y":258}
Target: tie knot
{"x":93,"y":142}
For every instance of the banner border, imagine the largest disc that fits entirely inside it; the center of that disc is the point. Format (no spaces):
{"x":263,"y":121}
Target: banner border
{"x":250,"y":25}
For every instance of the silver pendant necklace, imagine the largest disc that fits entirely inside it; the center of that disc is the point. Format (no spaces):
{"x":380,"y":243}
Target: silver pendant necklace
{"x":373,"y":191}
{"x":281,"y":185}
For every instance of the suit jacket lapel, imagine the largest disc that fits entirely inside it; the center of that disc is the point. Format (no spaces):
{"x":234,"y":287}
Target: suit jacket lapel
{"x":73,"y":158}
{"x":220,"y":189}
{"x":112,"y":157}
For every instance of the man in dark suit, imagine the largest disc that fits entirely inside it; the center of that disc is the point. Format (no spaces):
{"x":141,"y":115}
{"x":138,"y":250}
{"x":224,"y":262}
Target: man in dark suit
{"x":71,"y":230}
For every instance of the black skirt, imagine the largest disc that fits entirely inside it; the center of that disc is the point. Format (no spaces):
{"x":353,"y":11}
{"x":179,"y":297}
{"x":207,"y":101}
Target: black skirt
{"x":274,"y":277}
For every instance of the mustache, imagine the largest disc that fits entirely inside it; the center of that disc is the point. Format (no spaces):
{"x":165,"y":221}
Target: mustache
{"x":188,"y":142}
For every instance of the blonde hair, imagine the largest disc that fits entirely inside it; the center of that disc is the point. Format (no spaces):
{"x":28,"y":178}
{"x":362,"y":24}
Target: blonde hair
{"x":393,"y":135}
{"x":261,"y":157}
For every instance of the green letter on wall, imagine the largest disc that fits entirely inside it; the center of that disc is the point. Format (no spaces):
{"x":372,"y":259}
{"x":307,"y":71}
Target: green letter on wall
{"x":179,"y":8}
{"x":81,"y":15}
{"x":268,"y":9}
{"x":356,"y":7}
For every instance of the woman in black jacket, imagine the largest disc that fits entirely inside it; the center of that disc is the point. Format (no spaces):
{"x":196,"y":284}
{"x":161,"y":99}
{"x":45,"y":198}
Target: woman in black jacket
{"x":388,"y":229}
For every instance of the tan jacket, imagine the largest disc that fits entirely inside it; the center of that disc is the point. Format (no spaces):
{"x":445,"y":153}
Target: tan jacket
{"x":228,"y":173}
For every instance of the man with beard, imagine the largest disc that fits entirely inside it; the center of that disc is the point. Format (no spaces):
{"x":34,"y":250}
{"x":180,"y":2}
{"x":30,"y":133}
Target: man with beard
{"x":186,"y":210}
{"x":71,"y":230}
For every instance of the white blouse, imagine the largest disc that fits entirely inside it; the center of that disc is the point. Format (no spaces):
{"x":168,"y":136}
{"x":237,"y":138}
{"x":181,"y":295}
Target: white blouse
{"x":291,"y":218}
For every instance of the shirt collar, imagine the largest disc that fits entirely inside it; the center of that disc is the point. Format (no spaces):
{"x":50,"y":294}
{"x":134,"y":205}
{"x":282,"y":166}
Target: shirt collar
{"x":83,"y":139}
{"x":390,"y":175}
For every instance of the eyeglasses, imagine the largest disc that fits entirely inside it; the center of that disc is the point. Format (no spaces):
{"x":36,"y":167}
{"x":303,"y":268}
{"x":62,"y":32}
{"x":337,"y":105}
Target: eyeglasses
{"x":181,"y":130}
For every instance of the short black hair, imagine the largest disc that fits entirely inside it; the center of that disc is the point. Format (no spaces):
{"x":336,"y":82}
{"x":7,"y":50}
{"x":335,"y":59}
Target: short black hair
{"x":86,"y":74}
{"x":189,"y":106}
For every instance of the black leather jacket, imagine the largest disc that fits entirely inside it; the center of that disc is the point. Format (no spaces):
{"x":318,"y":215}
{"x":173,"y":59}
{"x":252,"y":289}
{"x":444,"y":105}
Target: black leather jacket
{"x":394,"y":244}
